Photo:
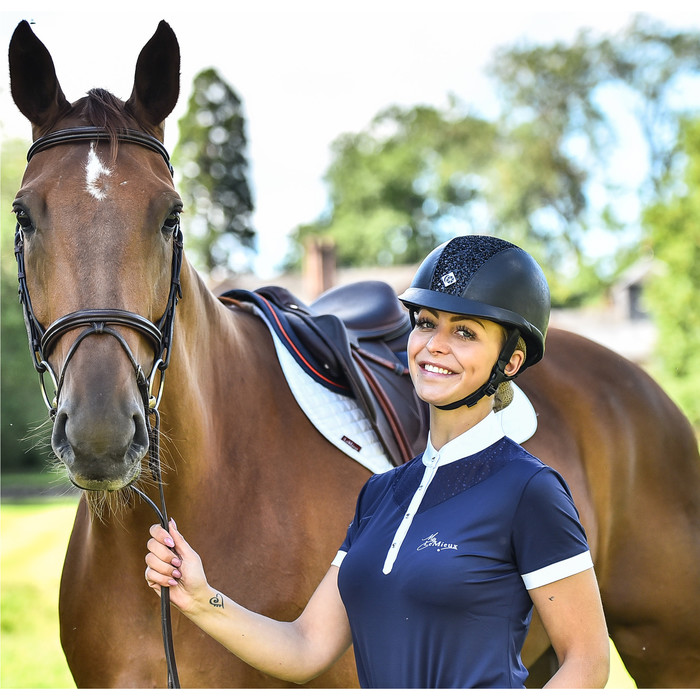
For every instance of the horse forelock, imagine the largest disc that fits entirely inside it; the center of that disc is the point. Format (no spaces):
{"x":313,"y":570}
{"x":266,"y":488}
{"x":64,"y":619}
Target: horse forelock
{"x":101,"y":108}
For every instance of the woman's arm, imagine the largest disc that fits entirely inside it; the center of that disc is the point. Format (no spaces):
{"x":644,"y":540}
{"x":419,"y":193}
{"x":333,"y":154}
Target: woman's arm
{"x":572,"y":614}
{"x":294,"y":651}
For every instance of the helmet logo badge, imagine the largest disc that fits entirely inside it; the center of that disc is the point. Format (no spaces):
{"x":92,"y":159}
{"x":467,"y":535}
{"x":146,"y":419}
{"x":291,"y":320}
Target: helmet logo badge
{"x":449,"y":279}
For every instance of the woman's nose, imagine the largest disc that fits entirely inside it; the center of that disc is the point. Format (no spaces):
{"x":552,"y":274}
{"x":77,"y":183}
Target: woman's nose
{"x":436,"y":343}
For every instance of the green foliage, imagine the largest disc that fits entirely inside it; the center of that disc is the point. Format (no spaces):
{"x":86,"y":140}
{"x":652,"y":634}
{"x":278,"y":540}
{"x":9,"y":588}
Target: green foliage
{"x":419,"y":176}
{"x":212,"y":172}
{"x":393,"y":187}
{"x":674,"y":293}
{"x":22,"y":410}
{"x":540,"y":175}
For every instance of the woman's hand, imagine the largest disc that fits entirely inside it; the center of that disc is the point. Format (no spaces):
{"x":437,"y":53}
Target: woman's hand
{"x":172,"y":563}
{"x":296,"y":651}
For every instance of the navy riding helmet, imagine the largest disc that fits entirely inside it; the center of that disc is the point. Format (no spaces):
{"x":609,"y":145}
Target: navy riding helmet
{"x":486,"y":277}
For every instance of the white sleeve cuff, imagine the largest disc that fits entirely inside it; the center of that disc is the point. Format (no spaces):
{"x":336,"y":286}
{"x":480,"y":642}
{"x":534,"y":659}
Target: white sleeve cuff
{"x":338,"y":558}
{"x":558,"y":571}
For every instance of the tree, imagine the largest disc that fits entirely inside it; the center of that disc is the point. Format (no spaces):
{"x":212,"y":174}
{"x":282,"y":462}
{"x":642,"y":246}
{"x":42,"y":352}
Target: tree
{"x":538,"y":175}
{"x":21,"y":407}
{"x":418,"y":176}
{"x":392,"y":186}
{"x":212,"y":171}
{"x":673,"y":296}
{"x":567,"y":96}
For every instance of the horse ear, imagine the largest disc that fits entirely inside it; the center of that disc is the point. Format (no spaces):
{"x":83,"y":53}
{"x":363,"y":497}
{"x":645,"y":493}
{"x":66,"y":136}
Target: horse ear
{"x":157,"y":78}
{"x":33,"y":82}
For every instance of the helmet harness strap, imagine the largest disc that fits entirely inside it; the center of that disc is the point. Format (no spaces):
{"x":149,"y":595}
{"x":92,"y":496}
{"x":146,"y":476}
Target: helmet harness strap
{"x":498,"y":375}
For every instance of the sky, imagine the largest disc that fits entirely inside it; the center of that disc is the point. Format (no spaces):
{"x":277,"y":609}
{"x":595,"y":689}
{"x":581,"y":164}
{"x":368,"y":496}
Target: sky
{"x":307,"y":70}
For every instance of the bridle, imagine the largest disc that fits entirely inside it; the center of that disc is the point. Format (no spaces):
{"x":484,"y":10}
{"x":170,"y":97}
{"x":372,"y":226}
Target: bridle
{"x":101,"y":321}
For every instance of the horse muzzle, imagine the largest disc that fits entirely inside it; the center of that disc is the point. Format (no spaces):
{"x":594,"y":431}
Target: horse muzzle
{"x":101,"y":439}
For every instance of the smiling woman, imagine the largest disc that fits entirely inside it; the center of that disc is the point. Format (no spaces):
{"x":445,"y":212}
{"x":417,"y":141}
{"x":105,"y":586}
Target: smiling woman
{"x":448,"y":553}
{"x":452,"y":356}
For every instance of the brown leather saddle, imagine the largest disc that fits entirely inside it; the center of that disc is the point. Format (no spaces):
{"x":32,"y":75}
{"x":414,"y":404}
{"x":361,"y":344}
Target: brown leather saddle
{"x":352,"y":340}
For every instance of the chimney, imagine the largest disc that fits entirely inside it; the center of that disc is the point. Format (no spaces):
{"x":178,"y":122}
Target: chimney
{"x":318,"y":266}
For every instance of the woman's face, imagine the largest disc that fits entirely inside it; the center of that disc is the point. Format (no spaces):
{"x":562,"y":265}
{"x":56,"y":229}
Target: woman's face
{"x":450,"y":356}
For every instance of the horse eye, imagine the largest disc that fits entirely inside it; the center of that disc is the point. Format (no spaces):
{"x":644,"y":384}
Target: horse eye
{"x":171,"y":223}
{"x":24,"y":221}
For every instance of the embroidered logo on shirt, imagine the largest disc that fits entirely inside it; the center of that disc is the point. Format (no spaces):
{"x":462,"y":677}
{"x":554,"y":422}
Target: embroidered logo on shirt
{"x":433,"y":541}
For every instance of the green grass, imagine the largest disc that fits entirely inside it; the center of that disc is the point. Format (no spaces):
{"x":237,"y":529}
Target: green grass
{"x":34,"y":538}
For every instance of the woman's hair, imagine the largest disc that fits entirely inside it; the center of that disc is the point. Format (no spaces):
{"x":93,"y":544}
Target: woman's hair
{"x":504,"y":393}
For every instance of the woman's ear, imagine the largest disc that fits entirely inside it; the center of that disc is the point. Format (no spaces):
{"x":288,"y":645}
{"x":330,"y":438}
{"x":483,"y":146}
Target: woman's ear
{"x":515,"y":363}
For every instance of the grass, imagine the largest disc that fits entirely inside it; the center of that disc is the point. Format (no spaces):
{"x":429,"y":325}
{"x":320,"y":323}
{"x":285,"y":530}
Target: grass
{"x":34,"y":537}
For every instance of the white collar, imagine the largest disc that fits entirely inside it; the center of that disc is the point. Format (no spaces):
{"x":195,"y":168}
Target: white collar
{"x":486,"y":432}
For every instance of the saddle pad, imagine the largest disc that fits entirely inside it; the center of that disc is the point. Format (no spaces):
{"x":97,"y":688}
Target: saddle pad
{"x":337,"y":417}
{"x":340,"y":420}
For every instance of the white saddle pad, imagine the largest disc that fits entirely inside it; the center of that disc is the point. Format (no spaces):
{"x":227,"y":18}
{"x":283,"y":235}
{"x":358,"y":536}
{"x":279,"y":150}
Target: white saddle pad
{"x":341,"y":421}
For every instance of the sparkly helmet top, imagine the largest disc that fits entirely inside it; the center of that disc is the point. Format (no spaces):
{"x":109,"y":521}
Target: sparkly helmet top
{"x":490,"y":278}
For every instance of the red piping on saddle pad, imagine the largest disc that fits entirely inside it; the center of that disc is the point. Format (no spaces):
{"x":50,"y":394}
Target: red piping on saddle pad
{"x":294,"y":347}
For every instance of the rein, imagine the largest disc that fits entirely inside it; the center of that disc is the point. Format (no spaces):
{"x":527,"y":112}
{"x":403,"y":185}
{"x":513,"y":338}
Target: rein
{"x":100,"y":321}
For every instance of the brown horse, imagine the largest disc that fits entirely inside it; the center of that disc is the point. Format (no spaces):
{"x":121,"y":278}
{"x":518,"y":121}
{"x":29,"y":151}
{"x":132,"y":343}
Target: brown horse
{"x":254,"y":486}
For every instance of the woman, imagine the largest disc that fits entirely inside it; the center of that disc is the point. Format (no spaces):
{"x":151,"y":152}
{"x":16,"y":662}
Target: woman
{"x":435,"y":582}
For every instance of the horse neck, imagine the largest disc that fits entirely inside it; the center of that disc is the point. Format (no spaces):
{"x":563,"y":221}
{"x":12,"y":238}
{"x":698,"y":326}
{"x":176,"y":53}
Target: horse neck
{"x":213,"y":346}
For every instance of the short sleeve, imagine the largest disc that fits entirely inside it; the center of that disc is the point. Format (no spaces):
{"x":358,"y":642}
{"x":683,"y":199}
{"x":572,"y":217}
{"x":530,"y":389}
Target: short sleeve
{"x":549,"y":541}
{"x":363,"y":509}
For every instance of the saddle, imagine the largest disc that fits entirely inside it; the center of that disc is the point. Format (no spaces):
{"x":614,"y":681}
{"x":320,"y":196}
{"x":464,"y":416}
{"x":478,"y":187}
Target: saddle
{"x":352,"y":340}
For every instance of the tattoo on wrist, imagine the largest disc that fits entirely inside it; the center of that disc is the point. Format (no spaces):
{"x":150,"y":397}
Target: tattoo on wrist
{"x":217,"y":601}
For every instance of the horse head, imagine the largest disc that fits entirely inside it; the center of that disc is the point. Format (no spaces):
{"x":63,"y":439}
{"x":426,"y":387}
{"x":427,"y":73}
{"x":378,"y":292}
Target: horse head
{"x":97,"y":218}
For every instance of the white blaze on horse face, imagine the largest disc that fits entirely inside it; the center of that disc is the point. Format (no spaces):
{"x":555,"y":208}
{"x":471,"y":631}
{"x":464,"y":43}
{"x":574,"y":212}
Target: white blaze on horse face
{"x":94,"y":170}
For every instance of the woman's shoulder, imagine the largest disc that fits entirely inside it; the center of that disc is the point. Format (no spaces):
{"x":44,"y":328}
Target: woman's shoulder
{"x":537,"y":481}
{"x":527,"y":469}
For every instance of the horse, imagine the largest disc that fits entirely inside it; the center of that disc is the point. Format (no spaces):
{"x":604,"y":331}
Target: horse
{"x":261,"y":494}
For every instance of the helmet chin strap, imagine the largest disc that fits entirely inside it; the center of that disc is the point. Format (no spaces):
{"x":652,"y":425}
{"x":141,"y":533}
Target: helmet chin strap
{"x":498,"y":375}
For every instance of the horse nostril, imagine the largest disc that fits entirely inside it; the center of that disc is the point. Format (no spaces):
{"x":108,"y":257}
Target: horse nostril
{"x":59,"y":439}
{"x":140,"y":440}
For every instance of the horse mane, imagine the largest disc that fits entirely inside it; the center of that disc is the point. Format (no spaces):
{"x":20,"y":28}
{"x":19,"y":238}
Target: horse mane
{"x":101,"y":108}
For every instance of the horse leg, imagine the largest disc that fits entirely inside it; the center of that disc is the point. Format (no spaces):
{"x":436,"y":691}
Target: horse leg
{"x":108,"y":616}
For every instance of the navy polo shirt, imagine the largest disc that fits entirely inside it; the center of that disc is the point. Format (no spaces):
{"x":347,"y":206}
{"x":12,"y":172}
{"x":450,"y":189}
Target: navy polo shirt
{"x":436,"y":565}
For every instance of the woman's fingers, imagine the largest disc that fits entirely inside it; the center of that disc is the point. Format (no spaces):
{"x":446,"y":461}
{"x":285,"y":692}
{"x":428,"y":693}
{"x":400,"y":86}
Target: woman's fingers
{"x":161,"y":561}
{"x":161,"y":535}
{"x":159,"y":572}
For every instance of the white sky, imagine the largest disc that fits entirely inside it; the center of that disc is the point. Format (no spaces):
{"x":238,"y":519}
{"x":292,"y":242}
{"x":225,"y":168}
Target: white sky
{"x":307,"y":70}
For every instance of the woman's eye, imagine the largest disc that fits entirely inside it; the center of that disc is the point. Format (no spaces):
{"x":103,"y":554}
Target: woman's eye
{"x":466,"y":332}
{"x":424,"y":323}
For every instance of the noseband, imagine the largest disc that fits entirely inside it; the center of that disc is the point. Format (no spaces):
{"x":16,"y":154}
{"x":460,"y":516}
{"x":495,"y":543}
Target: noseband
{"x":101,"y":321}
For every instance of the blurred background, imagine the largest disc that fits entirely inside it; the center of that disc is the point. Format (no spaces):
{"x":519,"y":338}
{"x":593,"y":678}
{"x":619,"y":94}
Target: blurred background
{"x":319,"y":143}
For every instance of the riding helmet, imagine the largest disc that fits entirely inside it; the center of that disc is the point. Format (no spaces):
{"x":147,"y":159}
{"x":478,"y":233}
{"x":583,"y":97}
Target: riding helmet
{"x":486,"y":277}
